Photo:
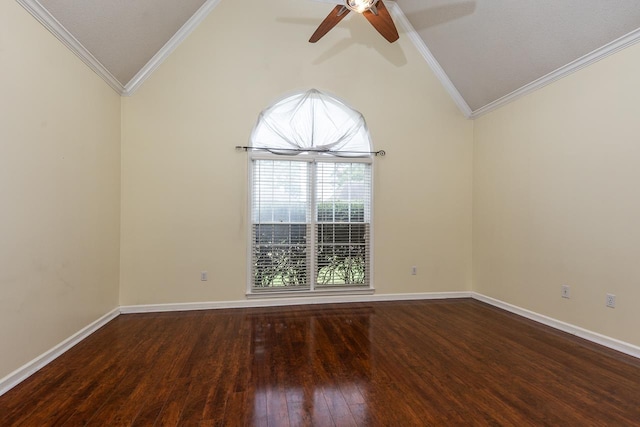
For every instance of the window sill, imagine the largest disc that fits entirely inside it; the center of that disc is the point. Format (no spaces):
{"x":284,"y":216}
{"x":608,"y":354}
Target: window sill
{"x":306,"y":293}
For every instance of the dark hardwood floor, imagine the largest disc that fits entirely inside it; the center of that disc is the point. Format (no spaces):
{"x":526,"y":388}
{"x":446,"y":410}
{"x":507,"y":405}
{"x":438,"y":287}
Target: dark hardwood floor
{"x":425,"y":363}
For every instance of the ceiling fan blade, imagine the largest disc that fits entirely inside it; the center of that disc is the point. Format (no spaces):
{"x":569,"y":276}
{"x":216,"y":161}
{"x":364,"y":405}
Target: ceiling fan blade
{"x":383,"y":22}
{"x":336,"y":15}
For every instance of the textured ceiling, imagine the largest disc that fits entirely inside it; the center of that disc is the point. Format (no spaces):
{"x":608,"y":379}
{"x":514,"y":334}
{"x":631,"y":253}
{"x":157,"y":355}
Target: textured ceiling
{"x":488,"y":49}
{"x":122,"y":34}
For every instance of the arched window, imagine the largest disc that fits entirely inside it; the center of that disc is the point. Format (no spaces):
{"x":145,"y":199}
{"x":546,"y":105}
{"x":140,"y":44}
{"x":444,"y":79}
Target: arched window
{"x":310,"y":187}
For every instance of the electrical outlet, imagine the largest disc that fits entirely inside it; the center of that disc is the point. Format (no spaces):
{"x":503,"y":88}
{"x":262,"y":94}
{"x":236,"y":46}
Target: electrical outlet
{"x":204,"y":276}
{"x":414,"y":270}
{"x":611,"y":300}
{"x":565,"y":291}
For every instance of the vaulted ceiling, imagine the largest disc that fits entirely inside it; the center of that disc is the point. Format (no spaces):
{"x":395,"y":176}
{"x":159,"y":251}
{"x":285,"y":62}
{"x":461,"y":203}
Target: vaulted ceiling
{"x":485,"y":52}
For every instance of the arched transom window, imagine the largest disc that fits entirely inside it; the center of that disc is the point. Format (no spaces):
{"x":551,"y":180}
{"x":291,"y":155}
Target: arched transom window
{"x":311,"y":191}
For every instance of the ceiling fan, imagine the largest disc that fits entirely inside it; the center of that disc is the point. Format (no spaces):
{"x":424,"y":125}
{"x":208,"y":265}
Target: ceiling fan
{"x":374,"y":10}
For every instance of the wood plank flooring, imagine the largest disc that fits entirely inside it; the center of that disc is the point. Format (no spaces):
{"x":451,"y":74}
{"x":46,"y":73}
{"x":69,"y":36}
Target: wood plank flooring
{"x":423,"y":363}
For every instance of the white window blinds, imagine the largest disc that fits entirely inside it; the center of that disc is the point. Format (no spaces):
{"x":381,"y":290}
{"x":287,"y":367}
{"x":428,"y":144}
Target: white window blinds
{"x":342,"y":223}
{"x":310,"y":224}
{"x":281,"y":214}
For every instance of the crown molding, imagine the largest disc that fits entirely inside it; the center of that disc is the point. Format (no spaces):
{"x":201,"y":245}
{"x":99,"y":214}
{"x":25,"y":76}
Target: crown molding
{"x":35,"y":8}
{"x":57,"y":29}
{"x":580,"y":63}
{"x":400,"y":17}
{"x":169,"y":47}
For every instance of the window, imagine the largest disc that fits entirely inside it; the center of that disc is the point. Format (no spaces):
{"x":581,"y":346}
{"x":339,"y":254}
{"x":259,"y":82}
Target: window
{"x":311,"y":209}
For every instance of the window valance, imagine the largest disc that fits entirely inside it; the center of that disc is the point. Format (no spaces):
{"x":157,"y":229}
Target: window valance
{"x":312,"y":122}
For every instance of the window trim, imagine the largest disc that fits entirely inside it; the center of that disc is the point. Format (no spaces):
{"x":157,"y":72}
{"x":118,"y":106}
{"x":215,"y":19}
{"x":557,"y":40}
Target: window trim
{"x":312,"y":291}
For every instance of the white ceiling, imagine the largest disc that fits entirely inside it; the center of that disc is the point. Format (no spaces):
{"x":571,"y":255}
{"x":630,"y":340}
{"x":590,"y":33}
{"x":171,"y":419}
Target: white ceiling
{"x":490,"y":48}
{"x":122,"y":34}
{"x":484,"y":51}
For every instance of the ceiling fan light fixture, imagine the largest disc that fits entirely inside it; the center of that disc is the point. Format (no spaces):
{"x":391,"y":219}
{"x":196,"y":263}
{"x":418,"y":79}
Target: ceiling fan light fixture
{"x":360,"y":6}
{"x":373,"y":10}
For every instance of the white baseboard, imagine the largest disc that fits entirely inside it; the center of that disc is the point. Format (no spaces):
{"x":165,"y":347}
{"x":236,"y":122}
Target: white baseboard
{"x":279,"y":302}
{"x":36,"y":364}
{"x":25,"y":371}
{"x":612,"y":343}
{"x":603,"y":340}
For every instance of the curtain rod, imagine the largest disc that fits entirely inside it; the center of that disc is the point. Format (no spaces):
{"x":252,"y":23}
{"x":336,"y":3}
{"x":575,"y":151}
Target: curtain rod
{"x":380,"y":153}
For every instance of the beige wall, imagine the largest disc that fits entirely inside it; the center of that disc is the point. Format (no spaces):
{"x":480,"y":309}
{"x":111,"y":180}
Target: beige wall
{"x":185,"y":187}
{"x":555,"y":175}
{"x":557,"y":199}
{"x":59,"y":191}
